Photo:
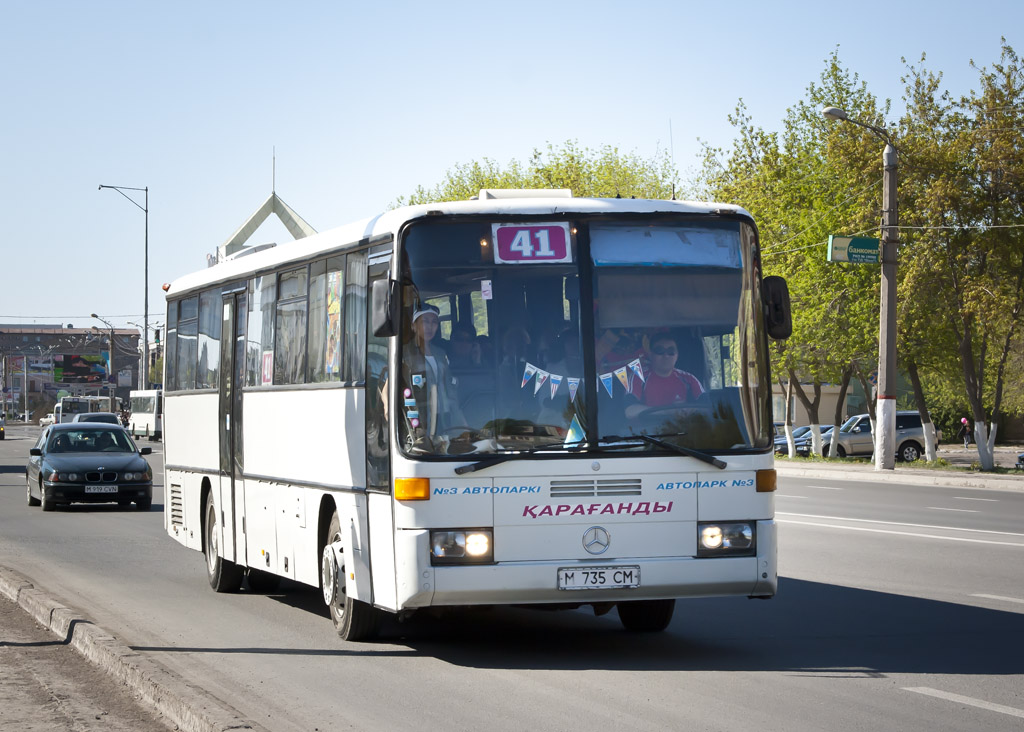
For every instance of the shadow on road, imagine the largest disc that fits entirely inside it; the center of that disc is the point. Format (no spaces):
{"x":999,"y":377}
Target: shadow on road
{"x":810,"y":628}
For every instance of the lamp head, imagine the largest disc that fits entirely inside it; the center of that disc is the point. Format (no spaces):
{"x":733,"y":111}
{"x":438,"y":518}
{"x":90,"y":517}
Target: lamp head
{"x":833,"y":113}
{"x":94,"y":315}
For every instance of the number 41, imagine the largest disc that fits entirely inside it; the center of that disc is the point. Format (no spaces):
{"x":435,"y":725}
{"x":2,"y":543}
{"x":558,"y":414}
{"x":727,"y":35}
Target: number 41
{"x":524,"y":246}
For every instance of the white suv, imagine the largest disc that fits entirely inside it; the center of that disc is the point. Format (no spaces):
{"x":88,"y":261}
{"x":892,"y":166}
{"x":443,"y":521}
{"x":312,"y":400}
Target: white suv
{"x":855,"y":437}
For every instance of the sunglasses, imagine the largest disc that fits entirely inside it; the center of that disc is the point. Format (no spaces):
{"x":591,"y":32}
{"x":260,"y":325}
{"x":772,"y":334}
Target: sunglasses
{"x":662,"y":351}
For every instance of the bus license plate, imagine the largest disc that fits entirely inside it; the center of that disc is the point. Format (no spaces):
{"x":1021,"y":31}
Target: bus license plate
{"x":101,"y":489}
{"x":598,"y":578}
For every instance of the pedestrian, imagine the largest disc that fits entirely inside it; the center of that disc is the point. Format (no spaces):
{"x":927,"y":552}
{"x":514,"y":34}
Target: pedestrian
{"x":965,"y":432}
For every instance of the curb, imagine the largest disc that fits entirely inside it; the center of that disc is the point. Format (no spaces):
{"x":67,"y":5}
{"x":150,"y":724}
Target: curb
{"x":188,"y":706}
{"x":916,"y":477}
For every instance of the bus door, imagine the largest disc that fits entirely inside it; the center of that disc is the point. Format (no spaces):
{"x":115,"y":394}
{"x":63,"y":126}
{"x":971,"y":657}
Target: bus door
{"x":232,"y":378}
{"x":381,"y":525}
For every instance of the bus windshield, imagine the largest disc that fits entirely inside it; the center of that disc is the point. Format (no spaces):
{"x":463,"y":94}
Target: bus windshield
{"x":546,"y":334}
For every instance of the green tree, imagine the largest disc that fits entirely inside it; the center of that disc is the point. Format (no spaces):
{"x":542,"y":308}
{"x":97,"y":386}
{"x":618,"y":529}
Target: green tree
{"x":811,"y":180}
{"x":603,"y":173}
{"x":965,"y":268}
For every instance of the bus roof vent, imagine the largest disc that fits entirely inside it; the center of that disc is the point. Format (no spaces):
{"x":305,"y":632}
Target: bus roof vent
{"x":492,"y":193}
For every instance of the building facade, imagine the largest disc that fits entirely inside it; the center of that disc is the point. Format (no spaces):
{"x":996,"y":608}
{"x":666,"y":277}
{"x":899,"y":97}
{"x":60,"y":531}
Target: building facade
{"x":39,"y":364}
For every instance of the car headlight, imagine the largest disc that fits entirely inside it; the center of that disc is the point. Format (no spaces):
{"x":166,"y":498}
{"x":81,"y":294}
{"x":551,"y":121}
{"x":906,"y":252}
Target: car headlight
{"x":64,"y":477}
{"x":726,"y":539}
{"x":132,"y":476}
{"x":462,"y":546}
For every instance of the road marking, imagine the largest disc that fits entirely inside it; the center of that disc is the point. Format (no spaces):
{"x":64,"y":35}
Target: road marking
{"x":827,"y":487}
{"x":788,"y":495}
{"x":967,"y":498}
{"x":898,"y":523}
{"x":1000,"y":597}
{"x":970,"y":701}
{"x":959,"y":510}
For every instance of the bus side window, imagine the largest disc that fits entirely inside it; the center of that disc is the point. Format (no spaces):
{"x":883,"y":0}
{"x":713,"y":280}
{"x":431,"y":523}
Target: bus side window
{"x":355,"y":318}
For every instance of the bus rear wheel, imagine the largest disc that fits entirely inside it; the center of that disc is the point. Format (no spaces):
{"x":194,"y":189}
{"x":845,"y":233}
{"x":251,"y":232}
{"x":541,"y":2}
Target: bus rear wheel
{"x":224,"y":576}
{"x":353,"y":619}
{"x":646,"y":616}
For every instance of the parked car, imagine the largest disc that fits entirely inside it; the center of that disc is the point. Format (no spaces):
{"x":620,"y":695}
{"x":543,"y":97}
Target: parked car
{"x":88,"y":462}
{"x":108,"y":417}
{"x":801,"y":440}
{"x":1020,"y":462}
{"x":47,"y":420}
{"x":855,"y":437}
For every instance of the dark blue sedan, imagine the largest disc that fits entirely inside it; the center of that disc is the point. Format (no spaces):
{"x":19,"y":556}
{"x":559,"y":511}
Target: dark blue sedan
{"x":88,"y":462}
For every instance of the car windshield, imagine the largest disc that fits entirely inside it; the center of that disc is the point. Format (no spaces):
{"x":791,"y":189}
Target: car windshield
{"x":850,"y":424}
{"x":549,"y":335}
{"x":90,"y":441}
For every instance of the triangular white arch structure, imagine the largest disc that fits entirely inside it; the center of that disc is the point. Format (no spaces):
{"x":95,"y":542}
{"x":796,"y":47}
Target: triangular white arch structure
{"x":296,"y":225}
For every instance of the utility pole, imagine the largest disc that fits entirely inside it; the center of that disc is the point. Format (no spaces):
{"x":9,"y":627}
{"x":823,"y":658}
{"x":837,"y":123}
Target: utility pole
{"x":885,"y":413}
{"x":885,"y":403}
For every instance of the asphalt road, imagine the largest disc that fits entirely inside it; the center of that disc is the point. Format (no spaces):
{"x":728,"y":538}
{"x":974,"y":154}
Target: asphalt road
{"x":899,"y":607}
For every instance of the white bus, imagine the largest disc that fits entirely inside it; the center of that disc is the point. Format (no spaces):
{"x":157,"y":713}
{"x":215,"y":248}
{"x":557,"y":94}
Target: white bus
{"x":147,"y":417}
{"x":534,"y":451}
{"x":69,"y":406}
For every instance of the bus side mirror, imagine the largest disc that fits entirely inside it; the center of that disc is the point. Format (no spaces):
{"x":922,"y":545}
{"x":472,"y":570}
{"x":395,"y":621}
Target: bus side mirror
{"x":777,"y":315}
{"x":383,"y":307}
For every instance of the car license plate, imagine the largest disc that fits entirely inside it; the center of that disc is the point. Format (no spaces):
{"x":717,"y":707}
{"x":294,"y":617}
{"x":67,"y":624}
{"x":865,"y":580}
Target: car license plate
{"x":101,"y":489}
{"x":598,"y":578}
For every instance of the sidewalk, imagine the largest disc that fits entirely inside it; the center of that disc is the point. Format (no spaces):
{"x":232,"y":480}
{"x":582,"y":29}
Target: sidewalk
{"x":59,"y":671}
{"x":957,"y":475}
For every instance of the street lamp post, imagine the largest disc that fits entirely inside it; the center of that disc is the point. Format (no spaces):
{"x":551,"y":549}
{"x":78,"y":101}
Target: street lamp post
{"x":144,"y":372}
{"x":885,"y":411}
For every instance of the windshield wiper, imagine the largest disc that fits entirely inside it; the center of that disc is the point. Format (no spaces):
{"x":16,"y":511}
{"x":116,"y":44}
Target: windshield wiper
{"x":506,"y":456}
{"x":688,"y":451}
{"x":515,"y":455}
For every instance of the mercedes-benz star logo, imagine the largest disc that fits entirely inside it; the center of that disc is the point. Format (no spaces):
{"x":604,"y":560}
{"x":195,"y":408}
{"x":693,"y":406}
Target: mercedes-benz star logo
{"x":596,"y":540}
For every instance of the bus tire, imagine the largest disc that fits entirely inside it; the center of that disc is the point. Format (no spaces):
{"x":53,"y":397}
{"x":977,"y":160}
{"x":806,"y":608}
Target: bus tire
{"x":646,"y":616}
{"x":224,"y":576}
{"x":353,"y":619}
{"x":262,"y":582}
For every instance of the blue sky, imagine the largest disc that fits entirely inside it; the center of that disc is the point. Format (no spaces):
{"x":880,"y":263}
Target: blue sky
{"x":365,"y":101}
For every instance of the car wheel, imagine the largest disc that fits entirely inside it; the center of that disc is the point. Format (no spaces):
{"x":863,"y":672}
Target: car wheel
{"x":909,"y":452}
{"x":46,"y":503}
{"x":32,"y":500}
{"x":646,"y":616}
{"x":840,"y":451}
{"x":353,"y":619}
{"x":224,"y":576}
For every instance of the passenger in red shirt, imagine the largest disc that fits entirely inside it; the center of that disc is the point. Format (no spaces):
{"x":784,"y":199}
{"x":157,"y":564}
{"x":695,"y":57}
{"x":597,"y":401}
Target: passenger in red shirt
{"x":666,"y":385}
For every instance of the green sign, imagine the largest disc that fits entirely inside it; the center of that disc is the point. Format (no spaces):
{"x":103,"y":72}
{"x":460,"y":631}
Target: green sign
{"x":855,"y":249}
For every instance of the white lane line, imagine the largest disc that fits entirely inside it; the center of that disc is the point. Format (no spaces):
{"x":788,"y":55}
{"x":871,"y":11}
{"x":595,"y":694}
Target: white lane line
{"x":788,"y":495}
{"x":968,"y":498}
{"x":1000,"y":597}
{"x":900,"y":533}
{"x":827,"y":487}
{"x":970,"y":701}
{"x":958,"y":510}
{"x":898,"y":523}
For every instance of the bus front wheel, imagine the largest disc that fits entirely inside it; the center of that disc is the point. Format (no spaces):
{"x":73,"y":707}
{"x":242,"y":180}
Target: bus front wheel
{"x":646,"y":616}
{"x":353,"y":619}
{"x":224,"y":576}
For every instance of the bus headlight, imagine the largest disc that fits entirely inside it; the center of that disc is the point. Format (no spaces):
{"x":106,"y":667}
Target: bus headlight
{"x":461,"y":546}
{"x":726,"y":540}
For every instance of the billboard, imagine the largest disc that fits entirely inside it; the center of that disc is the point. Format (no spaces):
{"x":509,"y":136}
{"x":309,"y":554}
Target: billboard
{"x":79,"y":369}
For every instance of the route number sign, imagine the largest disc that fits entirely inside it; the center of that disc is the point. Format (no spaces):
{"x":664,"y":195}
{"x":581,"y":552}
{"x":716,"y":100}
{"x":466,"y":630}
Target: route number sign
{"x":531,"y":243}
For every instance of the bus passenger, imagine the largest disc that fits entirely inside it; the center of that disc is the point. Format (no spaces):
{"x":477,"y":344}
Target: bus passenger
{"x":427,"y":374}
{"x":666,"y":385}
